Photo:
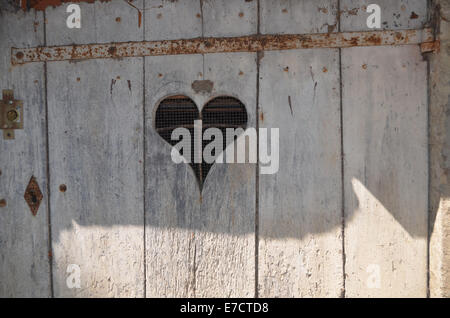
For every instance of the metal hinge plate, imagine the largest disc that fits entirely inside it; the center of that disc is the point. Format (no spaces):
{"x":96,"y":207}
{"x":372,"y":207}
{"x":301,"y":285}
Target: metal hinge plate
{"x":430,"y":47}
{"x":11,"y":114}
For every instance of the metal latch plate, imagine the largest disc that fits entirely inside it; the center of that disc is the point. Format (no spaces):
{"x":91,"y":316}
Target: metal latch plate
{"x":11,"y":114}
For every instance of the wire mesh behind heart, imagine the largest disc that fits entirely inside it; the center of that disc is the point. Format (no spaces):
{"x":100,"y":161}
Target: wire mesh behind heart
{"x":180,"y":111}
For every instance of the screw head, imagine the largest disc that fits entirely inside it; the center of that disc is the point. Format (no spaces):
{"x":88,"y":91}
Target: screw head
{"x":63,"y":188}
{"x":12,"y":115}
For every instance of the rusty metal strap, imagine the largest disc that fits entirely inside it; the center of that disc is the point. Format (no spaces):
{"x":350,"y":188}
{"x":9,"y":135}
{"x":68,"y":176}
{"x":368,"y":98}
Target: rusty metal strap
{"x":252,"y":43}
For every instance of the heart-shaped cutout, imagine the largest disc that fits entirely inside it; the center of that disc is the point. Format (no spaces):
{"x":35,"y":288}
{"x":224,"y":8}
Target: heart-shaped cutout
{"x":180,"y":111}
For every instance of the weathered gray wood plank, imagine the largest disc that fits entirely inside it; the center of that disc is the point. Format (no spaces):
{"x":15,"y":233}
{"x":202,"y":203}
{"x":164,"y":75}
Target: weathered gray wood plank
{"x":198,"y":244}
{"x":399,"y":14}
{"x":385,"y":149}
{"x":24,"y":263}
{"x":229,"y":18}
{"x":169,"y":20}
{"x":385,"y":172}
{"x":439,"y":141}
{"x":300,"y":252}
{"x":113,"y":21}
{"x":96,"y":151}
{"x":171,"y":191}
{"x":227,"y":239}
{"x":293,"y":16}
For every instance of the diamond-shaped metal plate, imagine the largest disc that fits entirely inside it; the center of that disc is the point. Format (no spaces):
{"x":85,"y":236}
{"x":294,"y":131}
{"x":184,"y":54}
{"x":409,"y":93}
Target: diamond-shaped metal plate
{"x":33,"y":195}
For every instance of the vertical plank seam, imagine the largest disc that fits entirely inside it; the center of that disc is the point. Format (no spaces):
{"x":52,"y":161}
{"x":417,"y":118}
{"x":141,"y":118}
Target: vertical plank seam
{"x":428,"y":183}
{"x":47,"y":149}
{"x":194,"y":271}
{"x":144,"y":150}
{"x":341,"y":118}
{"x":429,"y":209}
{"x":191,"y":289}
{"x":200,"y":166}
{"x":203,"y":34}
{"x":258,"y":58}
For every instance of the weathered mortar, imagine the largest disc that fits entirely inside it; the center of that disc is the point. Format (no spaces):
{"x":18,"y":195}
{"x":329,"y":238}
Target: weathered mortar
{"x":439,"y":119}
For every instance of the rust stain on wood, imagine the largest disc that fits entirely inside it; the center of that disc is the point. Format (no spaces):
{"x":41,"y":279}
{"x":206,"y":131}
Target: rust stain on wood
{"x":204,"y":86}
{"x":251,"y":43}
{"x":139,"y":18}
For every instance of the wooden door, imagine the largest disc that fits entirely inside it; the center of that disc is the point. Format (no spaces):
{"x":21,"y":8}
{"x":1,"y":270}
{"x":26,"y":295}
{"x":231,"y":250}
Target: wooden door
{"x":345,"y":215}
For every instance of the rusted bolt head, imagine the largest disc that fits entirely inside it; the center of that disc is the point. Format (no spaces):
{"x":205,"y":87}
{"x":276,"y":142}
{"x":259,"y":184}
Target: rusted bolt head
{"x":63,"y":188}
{"x":414,"y":15}
{"x":2,"y":203}
{"x":112,"y":50}
{"x":12,"y":115}
{"x":19,"y":55}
